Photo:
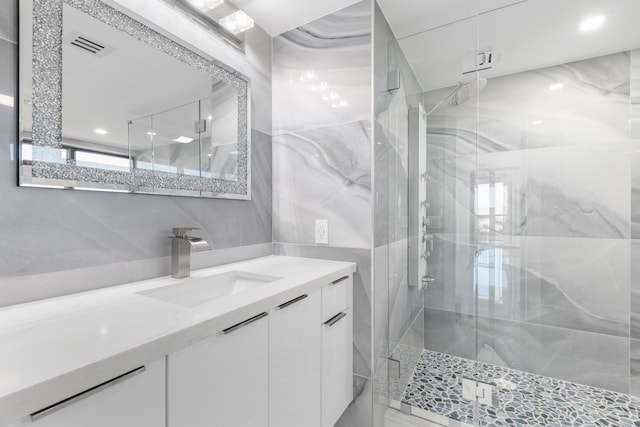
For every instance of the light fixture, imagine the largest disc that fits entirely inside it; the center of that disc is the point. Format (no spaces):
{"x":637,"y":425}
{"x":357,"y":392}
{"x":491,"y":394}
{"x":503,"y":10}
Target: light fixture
{"x":183,"y":140}
{"x":237,"y":22}
{"x":151,"y":133}
{"x":320,"y":87}
{"x":325,"y":97}
{"x":334,"y":95}
{"x":592,"y":23}
{"x":205,"y":5}
{"x":209,"y":117}
{"x":556,"y":86}
{"x":233,"y":153}
{"x":100,"y":131}
{"x":309,"y":76}
{"x":6,"y":100}
{"x":537,"y":122}
{"x":342,"y":103}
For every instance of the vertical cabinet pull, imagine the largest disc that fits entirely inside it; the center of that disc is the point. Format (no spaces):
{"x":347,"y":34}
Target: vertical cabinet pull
{"x":244,"y":323}
{"x":335,"y":319}
{"x":84,"y":394}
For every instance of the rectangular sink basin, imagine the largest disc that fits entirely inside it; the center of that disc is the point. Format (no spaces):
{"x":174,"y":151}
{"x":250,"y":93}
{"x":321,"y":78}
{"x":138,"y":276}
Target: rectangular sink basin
{"x":195,"y":291}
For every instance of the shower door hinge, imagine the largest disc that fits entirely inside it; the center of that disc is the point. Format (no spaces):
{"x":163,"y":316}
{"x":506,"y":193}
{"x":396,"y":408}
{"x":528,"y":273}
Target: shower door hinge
{"x":393,"y":369}
{"x":393,"y":80}
{"x":479,"y":391}
{"x":200,"y":126}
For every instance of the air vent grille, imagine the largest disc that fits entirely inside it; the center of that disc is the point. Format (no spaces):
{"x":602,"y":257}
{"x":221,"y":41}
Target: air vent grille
{"x":89,"y":45}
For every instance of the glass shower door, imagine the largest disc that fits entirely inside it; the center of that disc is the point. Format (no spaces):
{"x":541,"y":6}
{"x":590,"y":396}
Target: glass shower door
{"x":432,"y":313}
{"x":556,"y":206}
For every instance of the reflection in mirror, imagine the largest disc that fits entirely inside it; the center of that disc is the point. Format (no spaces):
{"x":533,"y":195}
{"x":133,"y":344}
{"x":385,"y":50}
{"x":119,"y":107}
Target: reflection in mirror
{"x":139,"y":112}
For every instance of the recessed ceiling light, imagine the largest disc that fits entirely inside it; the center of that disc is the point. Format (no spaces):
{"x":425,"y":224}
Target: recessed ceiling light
{"x":556,"y":86}
{"x":183,"y":140}
{"x":537,"y":122}
{"x":100,"y":131}
{"x":151,"y":133}
{"x":237,"y":22}
{"x":205,"y":5}
{"x":592,"y":23}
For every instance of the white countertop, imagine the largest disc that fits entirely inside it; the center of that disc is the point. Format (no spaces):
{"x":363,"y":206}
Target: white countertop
{"x":55,"y":348}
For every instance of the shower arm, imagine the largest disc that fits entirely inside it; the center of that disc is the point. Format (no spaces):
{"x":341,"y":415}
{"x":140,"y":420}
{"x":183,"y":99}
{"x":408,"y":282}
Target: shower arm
{"x":457,"y":88}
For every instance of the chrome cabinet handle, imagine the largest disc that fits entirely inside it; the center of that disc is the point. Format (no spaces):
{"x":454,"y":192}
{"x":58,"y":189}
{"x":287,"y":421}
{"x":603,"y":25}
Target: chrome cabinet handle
{"x":293,"y":301}
{"x":335,"y":319}
{"x":244,"y":323}
{"x":342,"y":279}
{"x":84,"y":394}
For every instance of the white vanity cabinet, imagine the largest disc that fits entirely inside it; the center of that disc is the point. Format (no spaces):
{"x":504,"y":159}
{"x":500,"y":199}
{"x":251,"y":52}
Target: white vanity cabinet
{"x":337,"y":349}
{"x":295,"y":340}
{"x":222,"y":380}
{"x":136,"y":399}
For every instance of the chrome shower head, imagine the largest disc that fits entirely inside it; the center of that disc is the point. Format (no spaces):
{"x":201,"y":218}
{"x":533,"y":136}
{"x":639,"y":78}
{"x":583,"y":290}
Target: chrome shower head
{"x":467,"y":91}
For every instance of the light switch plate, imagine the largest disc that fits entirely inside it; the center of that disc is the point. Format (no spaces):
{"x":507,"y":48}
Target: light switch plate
{"x":322,"y":231}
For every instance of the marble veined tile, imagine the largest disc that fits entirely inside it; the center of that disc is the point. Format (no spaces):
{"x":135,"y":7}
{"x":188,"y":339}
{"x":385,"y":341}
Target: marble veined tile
{"x":635,"y":93}
{"x":527,"y":279}
{"x":578,"y":191}
{"x":580,"y":284}
{"x":322,"y":71}
{"x":77,"y":229}
{"x":323,"y":174}
{"x":635,"y":289}
{"x":571,"y":191}
{"x":635,"y":188}
{"x":520,"y":111}
{"x":359,"y":412}
{"x":586,"y":358}
{"x":9,"y":20}
{"x":634,"y":369}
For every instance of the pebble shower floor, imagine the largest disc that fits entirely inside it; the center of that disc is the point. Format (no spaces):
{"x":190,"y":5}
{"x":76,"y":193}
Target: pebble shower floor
{"x":524,"y":399}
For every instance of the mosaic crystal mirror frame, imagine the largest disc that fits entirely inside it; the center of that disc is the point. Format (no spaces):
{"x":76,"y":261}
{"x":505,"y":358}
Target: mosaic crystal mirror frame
{"x":46,"y":137}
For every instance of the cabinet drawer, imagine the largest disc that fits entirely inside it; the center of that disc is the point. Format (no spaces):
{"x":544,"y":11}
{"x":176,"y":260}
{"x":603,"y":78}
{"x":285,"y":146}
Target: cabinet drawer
{"x":337,"y":366}
{"x":336,"y":296}
{"x":135,"y":399}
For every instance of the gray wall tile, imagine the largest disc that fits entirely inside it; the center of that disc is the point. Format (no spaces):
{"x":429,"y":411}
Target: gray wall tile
{"x":582,"y":357}
{"x":634,"y":369}
{"x":8,"y":20}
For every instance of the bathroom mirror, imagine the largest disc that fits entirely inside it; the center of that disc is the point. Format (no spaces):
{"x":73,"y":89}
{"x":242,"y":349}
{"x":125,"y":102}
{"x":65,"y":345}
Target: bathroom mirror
{"x":109,"y":104}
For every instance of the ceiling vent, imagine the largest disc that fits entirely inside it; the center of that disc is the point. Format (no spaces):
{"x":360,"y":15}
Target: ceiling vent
{"x":89,"y":45}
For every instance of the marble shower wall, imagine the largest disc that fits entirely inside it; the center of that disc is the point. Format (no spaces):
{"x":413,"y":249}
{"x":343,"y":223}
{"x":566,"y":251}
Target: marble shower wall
{"x":322,"y":162}
{"x":535,"y":224}
{"x":122,"y":237}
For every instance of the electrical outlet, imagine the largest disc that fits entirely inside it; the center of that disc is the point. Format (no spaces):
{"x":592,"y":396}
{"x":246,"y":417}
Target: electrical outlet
{"x":322,"y":231}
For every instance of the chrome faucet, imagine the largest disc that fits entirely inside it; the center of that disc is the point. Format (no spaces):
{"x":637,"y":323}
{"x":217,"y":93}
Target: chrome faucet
{"x":181,"y":244}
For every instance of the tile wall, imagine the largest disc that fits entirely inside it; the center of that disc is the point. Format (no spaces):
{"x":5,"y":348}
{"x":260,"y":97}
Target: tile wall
{"x":322,"y":161}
